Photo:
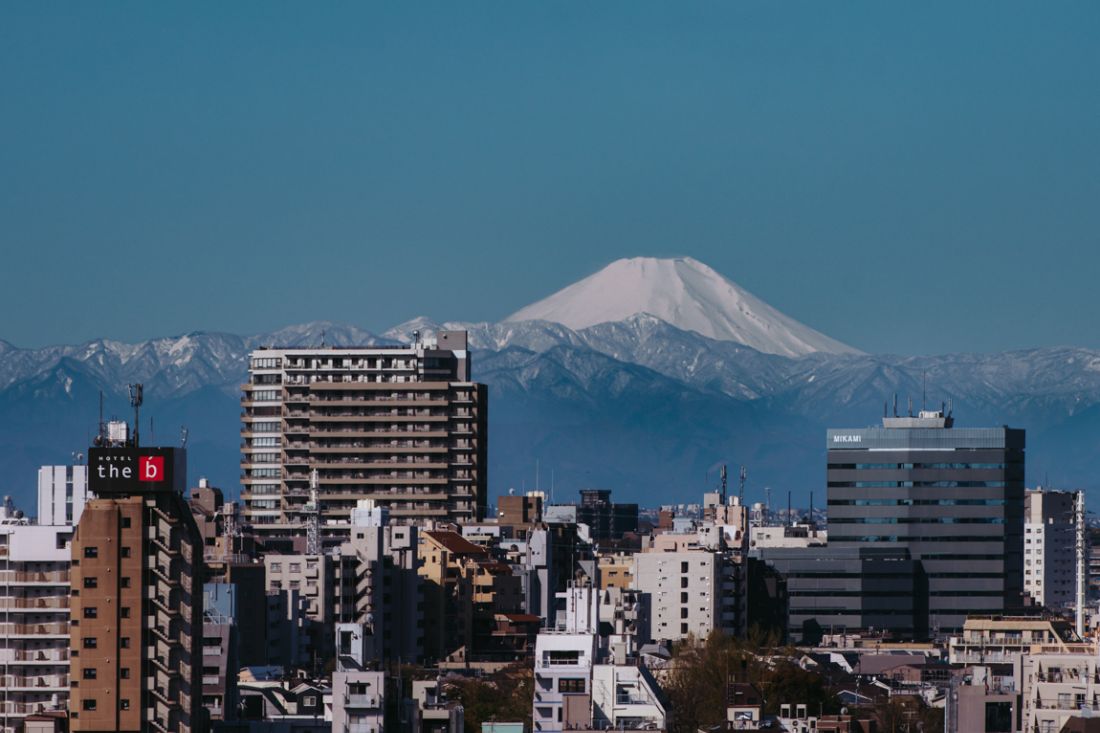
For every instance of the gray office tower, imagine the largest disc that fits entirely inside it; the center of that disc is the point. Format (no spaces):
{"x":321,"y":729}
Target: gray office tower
{"x":952,"y":498}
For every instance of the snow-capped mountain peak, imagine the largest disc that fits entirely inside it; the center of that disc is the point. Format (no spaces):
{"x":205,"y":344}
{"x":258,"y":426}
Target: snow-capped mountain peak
{"x":684,"y":293}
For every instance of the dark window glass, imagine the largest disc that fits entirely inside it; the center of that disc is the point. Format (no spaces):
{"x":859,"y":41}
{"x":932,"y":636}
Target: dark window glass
{"x":91,"y":552}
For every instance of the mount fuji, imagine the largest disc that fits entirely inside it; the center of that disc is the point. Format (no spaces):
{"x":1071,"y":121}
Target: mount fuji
{"x":641,"y":378}
{"x":684,"y":293}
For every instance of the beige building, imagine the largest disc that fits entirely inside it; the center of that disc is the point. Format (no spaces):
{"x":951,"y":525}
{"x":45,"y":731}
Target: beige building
{"x":616,"y":570}
{"x":307,"y":582}
{"x":465,"y":589}
{"x":403,"y":426}
{"x":136,"y":631}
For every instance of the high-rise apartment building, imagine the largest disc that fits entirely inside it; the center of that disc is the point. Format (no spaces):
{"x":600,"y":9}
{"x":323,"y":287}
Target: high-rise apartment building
{"x":136,"y":631}
{"x":34,"y":619}
{"x":1050,"y":548}
{"x":952,"y":498}
{"x":403,"y":426}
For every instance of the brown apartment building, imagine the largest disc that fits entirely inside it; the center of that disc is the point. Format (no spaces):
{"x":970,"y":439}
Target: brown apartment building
{"x":402,"y":425}
{"x":136,"y":576}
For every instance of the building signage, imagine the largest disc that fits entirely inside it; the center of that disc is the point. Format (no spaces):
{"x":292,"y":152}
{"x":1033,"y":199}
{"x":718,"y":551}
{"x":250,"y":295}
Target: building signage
{"x":131,"y":470}
{"x":847,"y":439}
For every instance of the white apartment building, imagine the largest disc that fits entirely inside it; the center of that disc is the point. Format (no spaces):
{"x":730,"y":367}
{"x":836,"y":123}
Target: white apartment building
{"x":563,"y":666}
{"x":358,"y":695}
{"x":691,"y":592}
{"x":34,"y":619}
{"x":62,"y":493}
{"x":1059,"y":685}
{"x":1050,"y":557}
{"x":587,"y":682}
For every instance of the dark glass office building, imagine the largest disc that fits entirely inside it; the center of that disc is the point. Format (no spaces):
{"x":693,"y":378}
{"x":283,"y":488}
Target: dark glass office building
{"x":952,"y":498}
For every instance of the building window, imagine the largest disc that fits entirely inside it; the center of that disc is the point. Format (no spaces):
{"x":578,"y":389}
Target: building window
{"x":124,"y":581}
{"x":123,"y":704}
{"x":124,"y":612}
{"x":88,"y":705}
{"x":91,"y":582}
{"x":683,"y":628}
{"x":89,"y":642}
{"x":276,"y":567}
{"x":125,"y":552}
{"x":124,"y":642}
{"x":126,"y":523}
{"x":91,"y":552}
{"x":124,"y":673}
{"x":90,"y":612}
{"x":571,"y":684}
{"x":683,"y":567}
{"x":683,"y":613}
{"x":89,"y":673}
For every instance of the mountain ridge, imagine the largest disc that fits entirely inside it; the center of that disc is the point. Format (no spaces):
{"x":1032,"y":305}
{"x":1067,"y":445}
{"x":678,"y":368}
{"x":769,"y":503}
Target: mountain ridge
{"x":640,"y":405}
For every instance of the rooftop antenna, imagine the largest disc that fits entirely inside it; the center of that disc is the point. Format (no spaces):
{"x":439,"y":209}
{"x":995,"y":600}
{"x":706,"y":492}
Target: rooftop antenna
{"x":767,"y":504}
{"x":788,"y":508}
{"x":741,"y":488}
{"x":313,"y":518}
{"x":152,"y":432}
{"x":722,"y":477}
{"x":885,"y":411}
{"x":924,"y":390}
{"x":183,"y":436}
{"x":910,"y":406}
{"x":895,"y":404}
{"x":136,"y":398}
{"x":811,"y":522}
{"x":416,"y":338}
{"x":102,"y":425}
{"x":323,"y":337}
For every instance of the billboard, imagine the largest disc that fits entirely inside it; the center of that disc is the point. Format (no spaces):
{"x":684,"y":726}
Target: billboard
{"x":130,"y":470}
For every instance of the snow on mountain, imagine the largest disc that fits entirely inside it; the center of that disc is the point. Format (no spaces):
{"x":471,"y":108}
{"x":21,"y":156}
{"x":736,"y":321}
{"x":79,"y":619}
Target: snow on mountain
{"x":684,"y":293}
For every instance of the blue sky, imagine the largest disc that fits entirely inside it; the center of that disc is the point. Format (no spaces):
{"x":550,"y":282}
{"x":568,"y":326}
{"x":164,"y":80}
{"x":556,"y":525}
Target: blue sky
{"x":914,"y":178}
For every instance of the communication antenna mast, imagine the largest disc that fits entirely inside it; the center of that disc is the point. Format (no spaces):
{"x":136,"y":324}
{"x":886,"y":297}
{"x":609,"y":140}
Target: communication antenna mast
{"x":184,"y":433}
{"x":1082,"y":562}
{"x":313,"y":517}
{"x":741,"y":486}
{"x":102,"y":425}
{"x":722,"y":477}
{"x":136,"y":398}
{"x":232,"y":531}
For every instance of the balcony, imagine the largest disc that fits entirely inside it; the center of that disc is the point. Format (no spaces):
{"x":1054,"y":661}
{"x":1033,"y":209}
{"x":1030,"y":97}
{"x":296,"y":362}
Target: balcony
{"x":360,"y":701}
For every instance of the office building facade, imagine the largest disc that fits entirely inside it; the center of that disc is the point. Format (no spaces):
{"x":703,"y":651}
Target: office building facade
{"x":953,"y":498}
{"x":403,"y":426}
